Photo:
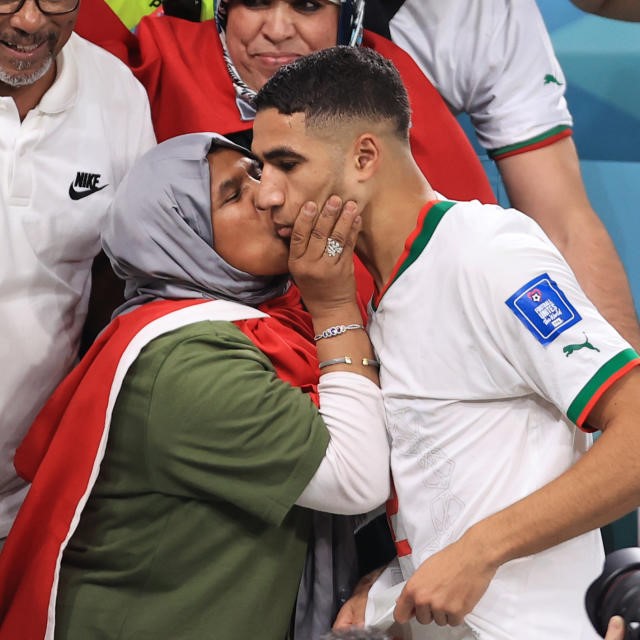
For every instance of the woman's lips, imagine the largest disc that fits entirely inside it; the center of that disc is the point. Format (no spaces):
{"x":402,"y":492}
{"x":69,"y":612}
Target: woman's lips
{"x":284,"y":231}
{"x":275,"y":60}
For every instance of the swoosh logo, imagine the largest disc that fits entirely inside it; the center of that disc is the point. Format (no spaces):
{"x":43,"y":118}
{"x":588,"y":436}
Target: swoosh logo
{"x":78,"y":195}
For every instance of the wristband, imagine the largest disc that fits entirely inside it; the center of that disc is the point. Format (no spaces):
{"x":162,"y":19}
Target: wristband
{"x":367,"y":362}
{"x":337,"y":330}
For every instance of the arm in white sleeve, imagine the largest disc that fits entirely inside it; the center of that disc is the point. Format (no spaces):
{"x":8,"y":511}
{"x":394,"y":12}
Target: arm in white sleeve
{"x":354,"y":475}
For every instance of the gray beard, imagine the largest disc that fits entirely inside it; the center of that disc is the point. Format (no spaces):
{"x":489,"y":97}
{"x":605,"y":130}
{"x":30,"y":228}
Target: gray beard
{"x":25,"y":79}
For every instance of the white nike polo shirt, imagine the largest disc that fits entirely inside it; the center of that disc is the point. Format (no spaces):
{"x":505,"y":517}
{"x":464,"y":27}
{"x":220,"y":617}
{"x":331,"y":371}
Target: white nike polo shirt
{"x":58,"y":173}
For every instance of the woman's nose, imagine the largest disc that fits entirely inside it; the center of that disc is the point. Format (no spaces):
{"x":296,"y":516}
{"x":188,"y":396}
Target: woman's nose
{"x":278,"y":23}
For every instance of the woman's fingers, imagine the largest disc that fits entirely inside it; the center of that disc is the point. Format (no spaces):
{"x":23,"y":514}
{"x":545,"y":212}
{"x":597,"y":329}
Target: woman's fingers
{"x":327,"y":233}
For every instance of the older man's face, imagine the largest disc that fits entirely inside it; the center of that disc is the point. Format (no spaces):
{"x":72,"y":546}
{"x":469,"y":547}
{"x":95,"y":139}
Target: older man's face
{"x":30,"y":42}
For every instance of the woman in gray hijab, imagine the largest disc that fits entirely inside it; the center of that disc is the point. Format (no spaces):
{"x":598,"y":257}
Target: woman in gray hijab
{"x":177,"y":467}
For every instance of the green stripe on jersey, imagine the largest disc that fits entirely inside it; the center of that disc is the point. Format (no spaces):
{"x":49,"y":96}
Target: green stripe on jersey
{"x":527,"y":143}
{"x":431,"y":221}
{"x":597,"y":380}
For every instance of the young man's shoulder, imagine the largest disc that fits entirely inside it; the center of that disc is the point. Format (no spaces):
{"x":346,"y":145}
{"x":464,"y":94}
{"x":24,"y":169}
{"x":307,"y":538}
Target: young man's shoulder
{"x":485,"y":234}
{"x":473,"y":217}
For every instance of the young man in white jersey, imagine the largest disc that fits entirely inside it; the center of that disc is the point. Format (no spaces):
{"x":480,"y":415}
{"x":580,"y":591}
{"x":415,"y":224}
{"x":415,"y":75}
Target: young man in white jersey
{"x":495,"y":367}
{"x":72,"y":121}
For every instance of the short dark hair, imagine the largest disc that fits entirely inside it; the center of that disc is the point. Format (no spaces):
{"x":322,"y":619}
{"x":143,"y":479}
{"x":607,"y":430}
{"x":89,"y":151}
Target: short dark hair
{"x":337,"y":83}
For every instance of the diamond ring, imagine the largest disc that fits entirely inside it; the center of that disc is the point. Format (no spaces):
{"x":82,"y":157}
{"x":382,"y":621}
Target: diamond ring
{"x":334,"y":248}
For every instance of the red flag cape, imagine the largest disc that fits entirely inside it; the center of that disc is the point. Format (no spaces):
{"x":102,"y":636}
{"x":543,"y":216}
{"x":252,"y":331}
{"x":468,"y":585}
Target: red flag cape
{"x":62,"y":452}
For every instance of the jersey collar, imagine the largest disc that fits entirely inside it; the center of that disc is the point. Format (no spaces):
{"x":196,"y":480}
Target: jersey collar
{"x":428,"y":219}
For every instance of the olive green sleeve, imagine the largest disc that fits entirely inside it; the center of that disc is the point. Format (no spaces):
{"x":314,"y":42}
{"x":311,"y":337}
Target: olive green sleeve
{"x":221,"y":425}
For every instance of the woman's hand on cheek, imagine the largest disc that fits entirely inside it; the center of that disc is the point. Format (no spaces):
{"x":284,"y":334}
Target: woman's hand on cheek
{"x":321,"y":255}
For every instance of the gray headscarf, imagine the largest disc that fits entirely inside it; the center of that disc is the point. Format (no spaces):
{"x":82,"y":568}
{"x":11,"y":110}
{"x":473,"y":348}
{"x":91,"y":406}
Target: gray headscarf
{"x":159,"y":236}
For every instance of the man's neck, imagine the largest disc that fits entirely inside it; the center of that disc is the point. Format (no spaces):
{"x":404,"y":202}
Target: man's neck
{"x":388,"y":220}
{"x":27,"y":97}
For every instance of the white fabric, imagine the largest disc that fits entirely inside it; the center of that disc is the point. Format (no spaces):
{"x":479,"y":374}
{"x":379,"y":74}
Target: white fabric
{"x":48,"y":240}
{"x":488,"y":58}
{"x":353,"y":476}
{"x":476,"y":406}
{"x":381,"y":603}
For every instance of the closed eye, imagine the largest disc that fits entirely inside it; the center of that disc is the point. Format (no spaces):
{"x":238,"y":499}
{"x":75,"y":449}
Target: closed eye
{"x":231,"y":196}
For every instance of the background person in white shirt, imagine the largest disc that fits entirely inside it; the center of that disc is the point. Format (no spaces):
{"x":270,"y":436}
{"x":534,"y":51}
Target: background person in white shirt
{"x":72,"y":120}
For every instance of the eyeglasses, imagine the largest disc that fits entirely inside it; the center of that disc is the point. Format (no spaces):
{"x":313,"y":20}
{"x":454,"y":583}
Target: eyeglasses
{"x":47,"y":7}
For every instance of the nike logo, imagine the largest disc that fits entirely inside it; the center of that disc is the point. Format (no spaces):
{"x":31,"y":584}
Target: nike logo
{"x":85,"y":185}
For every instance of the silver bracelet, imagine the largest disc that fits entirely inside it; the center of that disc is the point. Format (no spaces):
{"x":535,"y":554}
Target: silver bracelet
{"x":367,"y":362}
{"x":337,"y":330}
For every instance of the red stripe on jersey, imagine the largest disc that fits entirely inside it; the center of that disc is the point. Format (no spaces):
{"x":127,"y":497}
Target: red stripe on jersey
{"x":600,"y":392}
{"x":403,"y":548}
{"x":536,"y":145}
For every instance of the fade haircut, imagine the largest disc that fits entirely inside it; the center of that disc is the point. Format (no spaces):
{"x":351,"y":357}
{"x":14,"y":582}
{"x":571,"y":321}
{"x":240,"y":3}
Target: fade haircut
{"x":339,"y":83}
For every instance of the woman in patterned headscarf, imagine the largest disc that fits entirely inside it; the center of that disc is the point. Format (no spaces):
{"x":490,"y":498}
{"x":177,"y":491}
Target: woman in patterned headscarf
{"x":255,"y":48}
{"x":170,"y":469}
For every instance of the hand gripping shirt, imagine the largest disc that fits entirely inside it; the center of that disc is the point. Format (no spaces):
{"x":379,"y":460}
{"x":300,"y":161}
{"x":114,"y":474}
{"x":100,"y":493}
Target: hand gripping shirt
{"x":492,"y":59}
{"x":491,"y":358}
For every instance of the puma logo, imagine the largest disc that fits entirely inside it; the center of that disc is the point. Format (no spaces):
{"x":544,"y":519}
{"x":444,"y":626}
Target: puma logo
{"x":570,"y":348}
{"x":549,"y":78}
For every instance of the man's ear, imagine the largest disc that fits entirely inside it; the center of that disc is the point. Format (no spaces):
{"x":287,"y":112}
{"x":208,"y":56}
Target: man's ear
{"x":367,"y":155}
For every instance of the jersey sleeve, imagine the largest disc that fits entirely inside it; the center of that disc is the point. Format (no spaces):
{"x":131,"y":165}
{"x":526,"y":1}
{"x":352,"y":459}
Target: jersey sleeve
{"x":541,"y":323}
{"x":222,"y":426}
{"x":494,"y":60}
{"x":516,"y":100}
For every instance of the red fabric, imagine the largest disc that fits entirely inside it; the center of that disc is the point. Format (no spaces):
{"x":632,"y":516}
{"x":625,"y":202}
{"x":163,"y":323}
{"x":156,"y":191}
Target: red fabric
{"x":181,"y":65}
{"x":59,"y":451}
